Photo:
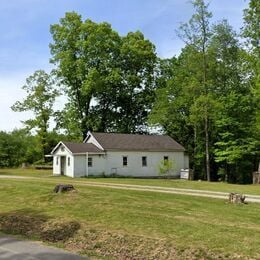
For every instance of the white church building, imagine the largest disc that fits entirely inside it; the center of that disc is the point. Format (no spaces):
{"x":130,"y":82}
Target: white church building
{"x":118,"y":154}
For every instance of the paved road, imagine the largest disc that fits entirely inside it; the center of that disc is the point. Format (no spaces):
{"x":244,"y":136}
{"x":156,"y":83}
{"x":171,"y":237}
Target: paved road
{"x":15,"y":249}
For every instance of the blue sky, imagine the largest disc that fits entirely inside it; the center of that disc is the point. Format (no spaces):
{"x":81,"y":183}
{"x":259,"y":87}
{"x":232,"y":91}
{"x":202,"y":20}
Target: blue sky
{"x":25,"y":37}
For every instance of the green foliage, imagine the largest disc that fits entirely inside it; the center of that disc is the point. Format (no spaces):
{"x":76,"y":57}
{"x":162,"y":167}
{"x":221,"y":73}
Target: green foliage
{"x":251,"y":32}
{"x":40,"y":99}
{"x":108,"y":79}
{"x":209,"y":94}
{"x":251,"y":29}
{"x":197,"y":31}
{"x":18,"y":147}
{"x":166,"y":167}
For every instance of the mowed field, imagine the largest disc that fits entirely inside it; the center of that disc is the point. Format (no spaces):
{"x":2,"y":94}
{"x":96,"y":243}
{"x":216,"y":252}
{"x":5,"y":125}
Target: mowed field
{"x":123,"y":224}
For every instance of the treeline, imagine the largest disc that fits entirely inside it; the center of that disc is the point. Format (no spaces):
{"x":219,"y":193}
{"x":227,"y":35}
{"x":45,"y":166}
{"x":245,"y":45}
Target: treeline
{"x":20,"y":146}
{"x":207,"y":98}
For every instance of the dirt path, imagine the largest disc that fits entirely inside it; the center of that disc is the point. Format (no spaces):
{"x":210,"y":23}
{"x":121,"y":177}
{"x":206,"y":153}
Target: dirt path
{"x":159,"y":189}
{"x":191,"y":192}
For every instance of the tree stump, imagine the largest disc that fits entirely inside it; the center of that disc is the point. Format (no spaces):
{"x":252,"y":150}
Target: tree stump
{"x":63,"y":187}
{"x":236,"y":198}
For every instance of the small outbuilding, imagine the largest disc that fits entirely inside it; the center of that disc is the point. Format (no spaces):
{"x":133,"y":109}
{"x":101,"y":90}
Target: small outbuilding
{"x":118,"y":154}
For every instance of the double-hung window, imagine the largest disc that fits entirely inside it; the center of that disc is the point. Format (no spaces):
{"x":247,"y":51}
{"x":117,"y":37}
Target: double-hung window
{"x":124,"y":161}
{"x":144,"y":161}
{"x":90,"y":161}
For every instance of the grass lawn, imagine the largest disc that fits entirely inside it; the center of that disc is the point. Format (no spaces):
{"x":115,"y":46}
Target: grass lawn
{"x":177,"y":183}
{"x":199,"y":185}
{"x":30,"y":172}
{"x":111,"y":224}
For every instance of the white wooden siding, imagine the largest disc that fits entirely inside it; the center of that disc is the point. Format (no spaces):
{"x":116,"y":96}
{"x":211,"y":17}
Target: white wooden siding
{"x":81,"y":164}
{"x":68,"y":169}
{"x":114,"y":163}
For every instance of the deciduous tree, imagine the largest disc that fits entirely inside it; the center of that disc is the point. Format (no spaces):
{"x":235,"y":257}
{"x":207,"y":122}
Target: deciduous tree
{"x":39,"y":100}
{"x":108,"y":79}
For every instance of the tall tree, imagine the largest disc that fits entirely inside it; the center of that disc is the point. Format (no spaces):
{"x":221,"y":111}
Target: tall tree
{"x":184,"y":100}
{"x":137,"y":84}
{"x":179,"y":107}
{"x":251,"y":32}
{"x":107,"y":78}
{"x":233,"y":141}
{"x":39,"y":100}
{"x":197,"y":34}
{"x":251,"y":25}
{"x":83,"y":53}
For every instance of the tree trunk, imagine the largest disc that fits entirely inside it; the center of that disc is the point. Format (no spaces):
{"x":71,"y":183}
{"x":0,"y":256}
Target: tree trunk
{"x":194,"y":151}
{"x":207,"y":149}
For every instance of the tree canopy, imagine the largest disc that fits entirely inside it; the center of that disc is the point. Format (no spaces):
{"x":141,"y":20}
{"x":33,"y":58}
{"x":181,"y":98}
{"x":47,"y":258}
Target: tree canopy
{"x":108,"y":79}
{"x":208,"y":102}
{"x":40,"y":98}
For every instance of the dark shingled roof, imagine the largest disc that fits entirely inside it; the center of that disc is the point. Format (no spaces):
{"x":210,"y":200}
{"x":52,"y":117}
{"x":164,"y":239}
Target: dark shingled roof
{"x":82,"y":148}
{"x":114,"y":141}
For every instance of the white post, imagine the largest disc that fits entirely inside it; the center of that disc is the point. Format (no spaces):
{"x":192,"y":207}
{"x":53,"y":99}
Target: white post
{"x":87,"y":164}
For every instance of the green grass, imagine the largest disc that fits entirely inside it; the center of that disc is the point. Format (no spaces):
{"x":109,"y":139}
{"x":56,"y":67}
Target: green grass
{"x":199,"y":185}
{"x":185,"y":184}
{"x":28,"y":172}
{"x":129,"y":224}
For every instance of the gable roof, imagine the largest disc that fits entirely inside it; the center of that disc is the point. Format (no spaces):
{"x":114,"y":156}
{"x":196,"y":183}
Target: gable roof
{"x":82,"y":147}
{"x":115,"y":141}
{"x":77,"y":148}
